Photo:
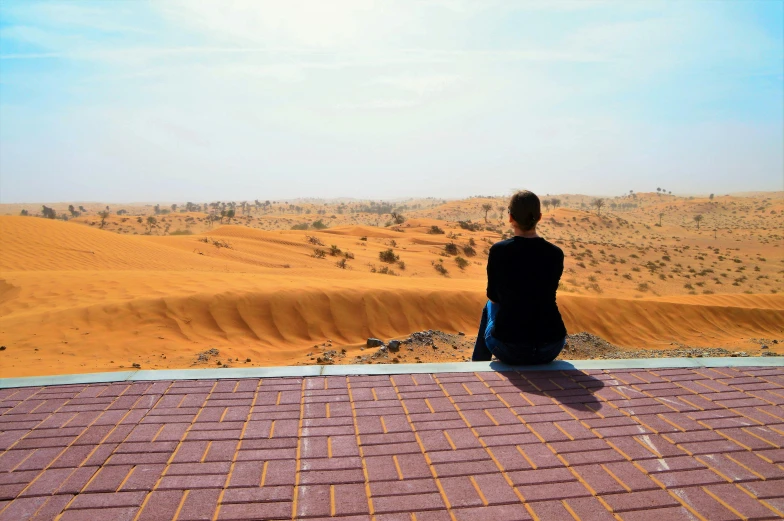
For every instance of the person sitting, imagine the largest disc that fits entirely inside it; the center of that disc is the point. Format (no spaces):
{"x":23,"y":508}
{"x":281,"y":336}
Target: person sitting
{"x":521,"y":324}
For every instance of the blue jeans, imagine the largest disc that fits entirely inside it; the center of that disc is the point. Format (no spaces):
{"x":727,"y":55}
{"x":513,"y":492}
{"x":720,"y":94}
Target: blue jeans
{"x":512,"y":354}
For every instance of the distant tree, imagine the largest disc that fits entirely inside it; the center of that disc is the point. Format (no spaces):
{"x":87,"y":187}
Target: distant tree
{"x":152,"y":222}
{"x":661,"y":214}
{"x":81,"y":209}
{"x":230,"y":214}
{"x":139,"y":220}
{"x":712,"y":196}
{"x":486,"y":208}
{"x":658,"y":189}
{"x":103,"y":215}
{"x":122,"y":211}
{"x":174,"y":207}
{"x":555,"y":202}
{"x":72,"y":210}
{"x":49,"y":213}
{"x":24,"y":213}
{"x":157,"y":209}
{"x":398,"y":218}
{"x":670,"y":192}
{"x":598,"y":203}
{"x":319,"y":225}
{"x":546,"y":203}
{"x":697,"y":219}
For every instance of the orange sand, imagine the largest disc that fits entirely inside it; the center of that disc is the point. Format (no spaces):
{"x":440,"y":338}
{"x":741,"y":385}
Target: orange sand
{"x":75,"y":298}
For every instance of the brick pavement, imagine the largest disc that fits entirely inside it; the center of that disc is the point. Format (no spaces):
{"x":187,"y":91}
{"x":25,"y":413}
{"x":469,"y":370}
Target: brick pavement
{"x":663,"y":444}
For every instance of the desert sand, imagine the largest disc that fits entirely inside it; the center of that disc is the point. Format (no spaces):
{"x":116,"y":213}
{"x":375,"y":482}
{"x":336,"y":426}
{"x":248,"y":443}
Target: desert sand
{"x":79,"y":295}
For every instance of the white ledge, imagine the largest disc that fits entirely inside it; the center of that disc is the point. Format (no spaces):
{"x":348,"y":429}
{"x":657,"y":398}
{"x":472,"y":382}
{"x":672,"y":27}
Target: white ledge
{"x":382,"y":369}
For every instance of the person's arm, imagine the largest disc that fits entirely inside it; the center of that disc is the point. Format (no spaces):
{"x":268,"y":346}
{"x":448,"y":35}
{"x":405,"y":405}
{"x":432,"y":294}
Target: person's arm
{"x":492,"y":278}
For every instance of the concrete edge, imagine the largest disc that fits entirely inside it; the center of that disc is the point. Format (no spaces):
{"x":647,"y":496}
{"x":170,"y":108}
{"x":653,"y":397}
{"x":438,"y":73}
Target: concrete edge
{"x":382,"y":369}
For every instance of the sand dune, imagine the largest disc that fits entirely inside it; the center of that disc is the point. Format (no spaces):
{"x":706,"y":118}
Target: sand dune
{"x":74,"y":298}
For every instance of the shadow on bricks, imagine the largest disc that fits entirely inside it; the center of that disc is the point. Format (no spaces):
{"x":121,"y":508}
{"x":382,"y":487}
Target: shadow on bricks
{"x":571,"y":388}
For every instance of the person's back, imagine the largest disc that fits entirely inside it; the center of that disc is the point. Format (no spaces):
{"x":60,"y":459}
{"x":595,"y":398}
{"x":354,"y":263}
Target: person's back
{"x":522,"y":276}
{"x":521,"y":323}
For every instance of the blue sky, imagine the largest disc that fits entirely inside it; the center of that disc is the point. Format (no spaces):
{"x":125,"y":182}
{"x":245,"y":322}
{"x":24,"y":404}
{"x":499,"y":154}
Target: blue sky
{"x":207,"y":100}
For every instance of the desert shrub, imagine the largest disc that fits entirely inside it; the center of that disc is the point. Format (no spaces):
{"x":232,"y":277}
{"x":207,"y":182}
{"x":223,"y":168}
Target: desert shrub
{"x":435,"y":230}
{"x":469,"y":251}
{"x":349,"y":255}
{"x":303,"y":226}
{"x":388,"y":256}
{"x":342,"y":263}
{"x":334,"y":250}
{"x":471,"y":242}
{"x":181,"y":232}
{"x":468,"y":225}
{"x":441,"y":269}
{"x":401,"y":265}
{"x":450,"y":249}
{"x":461,"y":263}
{"x":364,"y":238}
{"x":318,"y":253}
{"x":643,"y":286}
{"x":314,"y":240}
{"x":318,"y":225}
{"x":24,"y":213}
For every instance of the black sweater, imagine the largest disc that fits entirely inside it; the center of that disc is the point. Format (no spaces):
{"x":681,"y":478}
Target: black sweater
{"x":522,"y":277}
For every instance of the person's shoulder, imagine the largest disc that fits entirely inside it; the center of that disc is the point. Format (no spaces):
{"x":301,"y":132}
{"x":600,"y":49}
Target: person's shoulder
{"x":552,"y":248}
{"x":500,"y":245}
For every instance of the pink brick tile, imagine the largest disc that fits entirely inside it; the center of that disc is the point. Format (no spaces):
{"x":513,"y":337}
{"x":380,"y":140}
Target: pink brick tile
{"x":199,"y":505}
{"x":47,"y":482}
{"x":647,"y":500}
{"x":108,"y":479}
{"x":541,"y":456}
{"x":704,"y":504}
{"x":495,"y":512}
{"x":330,"y":464}
{"x":460,"y":492}
{"x":50,"y":509}
{"x":541,"y":476}
{"x":258,"y":495}
{"x":596,"y":456}
{"x":548,"y":492}
{"x":689,"y":478}
{"x":550,"y":511}
{"x":255,"y":511}
{"x":326,"y":477}
{"x":280,"y":473}
{"x":102,"y":514}
{"x":508,"y":456}
{"x":351,"y":500}
{"x":765,"y":489}
{"x":668,"y":513}
{"x":630,"y":476}
{"x":191,"y":482}
{"x":599,"y":480}
{"x":402,"y":487}
{"x":108,"y":500}
{"x":428,"y":501}
{"x":143,"y":477}
{"x":161,"y":506}
{"x":589,"y":509}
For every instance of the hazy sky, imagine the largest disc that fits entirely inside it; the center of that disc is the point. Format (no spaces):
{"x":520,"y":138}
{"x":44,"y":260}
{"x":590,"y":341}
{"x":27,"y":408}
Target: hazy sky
{"x":177,"y":100}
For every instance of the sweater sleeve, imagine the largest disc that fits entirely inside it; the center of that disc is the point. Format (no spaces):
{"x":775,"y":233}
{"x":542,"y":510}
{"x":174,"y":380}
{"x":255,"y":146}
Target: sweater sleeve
{"x":492,"y":276}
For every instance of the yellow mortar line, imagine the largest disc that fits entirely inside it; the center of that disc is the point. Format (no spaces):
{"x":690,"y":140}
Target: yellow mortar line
{"x":329,"y":446}
{"x":383,"y":424}
{"x":397,"y":468}
{"x":263,"y":474}
{"x":181,"y":505}
{"x":729,"y":456}
{"x":424,"y":452}
{"x":478,"y":490}
{"x":449,"y":440}
{"x":570,"y":510}
{"x":430,"y":407}
{"x":359,"y":447}
{"x":299,"y":450}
